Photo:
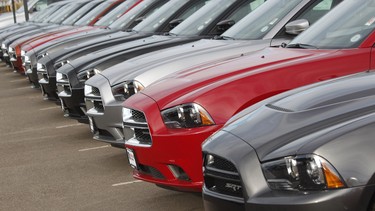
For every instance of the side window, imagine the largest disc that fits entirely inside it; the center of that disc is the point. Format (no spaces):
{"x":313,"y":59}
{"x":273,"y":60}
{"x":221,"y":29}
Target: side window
{"x":244,"y":10}
{"x":317,"y":10}
{"x":312,"y":13}
{"x":191,"y":10}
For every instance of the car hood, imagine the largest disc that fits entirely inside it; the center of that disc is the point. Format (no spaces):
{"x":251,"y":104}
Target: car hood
{"x":101,"y":58}
{"x":54,"y":35}
{"x":185,"y":86}
{"x":108,"y":57}
{"x":58,"y":50}
{"x":153,"y":66}
{"x":296,"y":124}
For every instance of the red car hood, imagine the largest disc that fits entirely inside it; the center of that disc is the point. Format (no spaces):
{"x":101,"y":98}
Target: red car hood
{"x":255,"y":76}
{"x":39,"y":35}
{"x":49,"y":37}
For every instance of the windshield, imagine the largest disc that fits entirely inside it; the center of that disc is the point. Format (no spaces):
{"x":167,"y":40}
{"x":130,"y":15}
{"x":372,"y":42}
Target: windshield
{"x":83,"y":11}
{"x":45,"y":13}
{"x":210,"y":13}
{"x":30,"y":4}
{"x":152,"y":23}
{"x":125,"y":21}
{"x":115,"y":13}
{"x":65,"y":12}
{"x":346,"y":26}
{"x":255,"y":25}
{"x":89,"y":17}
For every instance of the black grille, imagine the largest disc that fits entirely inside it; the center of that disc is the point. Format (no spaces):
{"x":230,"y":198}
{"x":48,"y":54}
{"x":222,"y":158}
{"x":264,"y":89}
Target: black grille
{"x":223,"y":164}
{"x":221,"y":177}
{"x":138,"y":116}
{"x":224,"y":187}
{"x":95,"y":91}
{"x":142,"y":135}
{"x":98,"y":105}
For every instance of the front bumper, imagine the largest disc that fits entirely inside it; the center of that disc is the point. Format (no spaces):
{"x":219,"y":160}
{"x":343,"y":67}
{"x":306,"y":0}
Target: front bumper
{"x":32,"y":75}
{"x":73,"y":105}
{"x":48,"y":87}
{"x":348,"y":199}
{"x":254,"y":193}
{"x":174,"y":157}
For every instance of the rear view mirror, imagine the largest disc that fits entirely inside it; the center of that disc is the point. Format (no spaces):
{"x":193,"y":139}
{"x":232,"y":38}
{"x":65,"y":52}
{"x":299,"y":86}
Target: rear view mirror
{"x":140,"y":19}
{"x":174,"y":23}
{"x":297,"y":27}
{"x":224,"y":25}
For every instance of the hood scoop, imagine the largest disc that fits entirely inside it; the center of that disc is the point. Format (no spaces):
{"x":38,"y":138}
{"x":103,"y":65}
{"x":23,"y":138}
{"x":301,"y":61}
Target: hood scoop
{"x":328,"y":93}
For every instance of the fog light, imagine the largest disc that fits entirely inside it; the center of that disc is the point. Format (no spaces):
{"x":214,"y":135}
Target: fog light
{"x":178,"y":172}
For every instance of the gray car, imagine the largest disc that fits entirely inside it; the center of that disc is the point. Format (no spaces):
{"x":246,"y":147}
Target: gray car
{"x":306,"y":149}
{"x":266,"y":26}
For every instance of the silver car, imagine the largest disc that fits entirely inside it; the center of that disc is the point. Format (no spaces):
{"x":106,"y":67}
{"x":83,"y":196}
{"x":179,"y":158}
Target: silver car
{"x":273,"y":23}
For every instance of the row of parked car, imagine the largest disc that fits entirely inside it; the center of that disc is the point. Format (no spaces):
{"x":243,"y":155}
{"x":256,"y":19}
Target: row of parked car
{"x":285,"y":120}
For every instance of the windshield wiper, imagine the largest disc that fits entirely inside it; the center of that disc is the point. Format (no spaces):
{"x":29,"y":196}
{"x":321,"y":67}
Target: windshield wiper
{"x":170,"y":34}
{"x":301,"y":45}
{"x":224,"y":38}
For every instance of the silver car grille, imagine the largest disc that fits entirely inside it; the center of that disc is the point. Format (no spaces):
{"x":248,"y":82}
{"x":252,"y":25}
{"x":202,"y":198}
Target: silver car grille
{"x":12,"y":56}
{"x":136,"y":129}
{"x":63,"y":86}
{"x":43,"y":75}
{"x":94,"y":103}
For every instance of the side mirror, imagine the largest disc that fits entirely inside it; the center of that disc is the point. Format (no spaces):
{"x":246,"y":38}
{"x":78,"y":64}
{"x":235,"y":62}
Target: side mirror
{"x":174,"y":23}
{"x":224,"y":25}
{"x":140,"y":19}
{"x":297,"y":27}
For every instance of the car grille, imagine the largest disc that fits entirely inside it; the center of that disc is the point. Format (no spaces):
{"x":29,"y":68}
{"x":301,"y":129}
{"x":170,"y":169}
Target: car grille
{"x":63,"y":86}
{"x":137,"y":124}
{"x":28,"y":67}
{"x":94,"y":103}
{"x":222,"y":177}
{"x":12,"y":56}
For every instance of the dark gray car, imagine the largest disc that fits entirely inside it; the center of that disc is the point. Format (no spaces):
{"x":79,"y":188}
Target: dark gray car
{"x":307,"y":149}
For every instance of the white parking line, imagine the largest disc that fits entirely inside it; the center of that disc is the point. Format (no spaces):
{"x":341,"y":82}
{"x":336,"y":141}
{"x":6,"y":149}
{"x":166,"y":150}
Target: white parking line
{"x":49,"y":108}
{"x":27,"y":87}
{"x":23,"y":79}
{"x":93,"y":148}
{"x":126,"y":183}
{"x":72,"y":125}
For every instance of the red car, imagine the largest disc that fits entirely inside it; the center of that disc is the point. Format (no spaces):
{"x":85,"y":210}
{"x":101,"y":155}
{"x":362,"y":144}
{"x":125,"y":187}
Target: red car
{"x":98,"y":9}
{"x":167,"y":122}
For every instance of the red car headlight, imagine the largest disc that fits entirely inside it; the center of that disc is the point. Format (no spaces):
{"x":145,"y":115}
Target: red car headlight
{"x":186,"y":116}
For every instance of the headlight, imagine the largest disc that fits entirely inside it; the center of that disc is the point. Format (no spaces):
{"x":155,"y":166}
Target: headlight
{"x":118,"y":92}
{"x":132,"y":88}
{"x":23,"y":53}
{"x":86,"y":75}
{"x":186,"y":116}
{"x":308,"y":172}
{"x":40,"y":56}
{"x":10,"y":49}
{"x":60,"y":64}
{"x":3,"y":46}
{"x":27,"y":59}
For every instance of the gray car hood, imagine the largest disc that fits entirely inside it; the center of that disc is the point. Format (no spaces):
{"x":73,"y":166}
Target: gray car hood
{"x":280,"y":128}
{"x":150,"y":67}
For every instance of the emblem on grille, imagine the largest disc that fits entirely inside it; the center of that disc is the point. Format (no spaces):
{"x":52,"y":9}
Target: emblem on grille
{"x":233,"y":186}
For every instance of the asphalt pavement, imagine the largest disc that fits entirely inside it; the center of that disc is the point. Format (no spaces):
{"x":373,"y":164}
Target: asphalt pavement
{"x":48,"y":162}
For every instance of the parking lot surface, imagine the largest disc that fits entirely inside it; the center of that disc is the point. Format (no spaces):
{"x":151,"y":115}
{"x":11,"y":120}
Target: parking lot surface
{"x":48,"y":162}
